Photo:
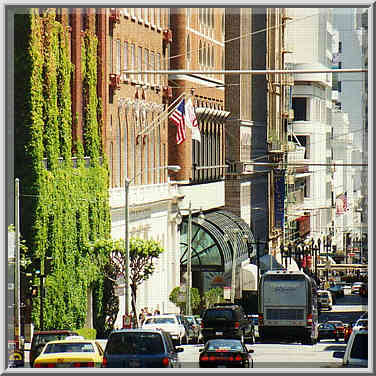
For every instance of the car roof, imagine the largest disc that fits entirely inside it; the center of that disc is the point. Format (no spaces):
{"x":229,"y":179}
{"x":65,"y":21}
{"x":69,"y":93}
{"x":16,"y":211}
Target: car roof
{"x":78,"y":340}
{"x":137,"y":330}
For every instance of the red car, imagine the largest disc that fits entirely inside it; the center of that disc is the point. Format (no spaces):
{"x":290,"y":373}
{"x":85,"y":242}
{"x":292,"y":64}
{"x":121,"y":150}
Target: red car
{"x":340,"y":328}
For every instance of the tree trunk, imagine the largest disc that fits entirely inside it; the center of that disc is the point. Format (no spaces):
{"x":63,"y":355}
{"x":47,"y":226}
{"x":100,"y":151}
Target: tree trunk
{"x":134,"y":298}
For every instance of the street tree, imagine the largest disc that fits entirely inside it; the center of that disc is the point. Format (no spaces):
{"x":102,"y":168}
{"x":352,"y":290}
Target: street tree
{"x":176,"y":293}
{"x":142,"y":256}
{"x":213,"y":296}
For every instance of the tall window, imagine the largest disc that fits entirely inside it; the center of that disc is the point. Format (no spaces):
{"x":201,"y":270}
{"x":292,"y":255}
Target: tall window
{"x":146,"y":158}
{"x":133,"y":60}
{"x":158,"y":16}
{"x":158,"y":68}
{"x":118,"y":57}
{"x":111,"y":162}
{"x":118,"y":141}
{"x":152,"y":16}
{"x":152,"y":67}
{"x":146,"y":15}
{"x":125,"y":63}
{"x":139,"y":62}
{"x":132,"y":12}
{"x":188,"y":47}
{"x":146,"y":65}
{"x":200,"y":53}
{"x":300,"y":108}
{"x":111,"y":54}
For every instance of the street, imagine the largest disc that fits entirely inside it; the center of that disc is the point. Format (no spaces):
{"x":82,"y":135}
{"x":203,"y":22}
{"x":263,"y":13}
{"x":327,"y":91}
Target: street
{"x":291,"y":355}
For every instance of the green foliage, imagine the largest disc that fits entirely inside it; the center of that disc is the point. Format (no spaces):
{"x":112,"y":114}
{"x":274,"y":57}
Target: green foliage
{"x":63,"y":208}
{"x":87,"y":333}
{"x":142,"y":254}
{"x":195,"y":299}
{"x":213,"y":296}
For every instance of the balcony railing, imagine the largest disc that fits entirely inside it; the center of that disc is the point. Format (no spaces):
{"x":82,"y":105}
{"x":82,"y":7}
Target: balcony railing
{"x":142,"y":194}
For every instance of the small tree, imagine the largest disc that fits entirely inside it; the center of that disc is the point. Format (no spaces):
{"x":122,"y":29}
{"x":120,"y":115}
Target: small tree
{"x":142,"y":254}
{"x":195,"y":299}
{"x":213,"y":296}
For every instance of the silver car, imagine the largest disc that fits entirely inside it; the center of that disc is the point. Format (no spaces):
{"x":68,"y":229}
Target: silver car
{"x":170,"y":323}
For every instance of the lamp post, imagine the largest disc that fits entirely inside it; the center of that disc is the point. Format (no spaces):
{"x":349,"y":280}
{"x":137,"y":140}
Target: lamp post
{"x":235,"y":231}
{"x":127,"y":183}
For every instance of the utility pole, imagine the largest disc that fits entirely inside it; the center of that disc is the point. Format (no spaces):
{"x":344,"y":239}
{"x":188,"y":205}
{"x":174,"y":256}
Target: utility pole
{"x":189,"y":261}
{"x":234,"y":255}
{"x":17,"y":287}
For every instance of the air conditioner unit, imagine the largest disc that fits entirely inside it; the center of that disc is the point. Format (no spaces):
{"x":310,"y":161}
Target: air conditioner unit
{"x":114,"y":81}
{"x":115,"y":15}
{"x":291,"y":146}
{"x":167,"y":35}
{"x":291,"y":114}
{"x":167,"y":92}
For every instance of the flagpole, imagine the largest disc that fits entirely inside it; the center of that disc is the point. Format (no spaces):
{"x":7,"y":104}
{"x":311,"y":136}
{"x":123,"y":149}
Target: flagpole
{"x":162,"y":116}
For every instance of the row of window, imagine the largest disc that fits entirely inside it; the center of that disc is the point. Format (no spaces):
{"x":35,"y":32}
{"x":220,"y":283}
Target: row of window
{"x":128,"y":56}
{"x":153,"y":16}
{"x":145,"y":154}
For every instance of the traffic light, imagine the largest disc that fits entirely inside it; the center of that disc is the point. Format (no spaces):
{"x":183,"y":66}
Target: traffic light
{"x":31,"y":287}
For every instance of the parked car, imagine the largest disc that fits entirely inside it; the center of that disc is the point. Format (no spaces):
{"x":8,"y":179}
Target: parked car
{"x":72,"y":352}
{"x":358,"y":288}
{"x":361,"y":323}
{"x":337,"y":291}
{"x":324,"y":298}
{"x":225,"y":353}
{"x":227,"y":321}
{"x":194,"y":329}
{"x":356,"y":353}
{"x":141,"y":348}
{"x":171,"y":323}
{"x":40,"y":338}
{"x":339,"y":326}
{"x":327,"y":331}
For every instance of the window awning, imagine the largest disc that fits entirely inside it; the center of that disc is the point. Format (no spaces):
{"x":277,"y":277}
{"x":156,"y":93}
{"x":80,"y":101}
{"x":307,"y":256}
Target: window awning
{"x":206,"y":113}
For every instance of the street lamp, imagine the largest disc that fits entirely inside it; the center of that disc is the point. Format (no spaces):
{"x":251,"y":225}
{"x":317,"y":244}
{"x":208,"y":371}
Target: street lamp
{"x":127,"y":183}
{"x":201,"y":217}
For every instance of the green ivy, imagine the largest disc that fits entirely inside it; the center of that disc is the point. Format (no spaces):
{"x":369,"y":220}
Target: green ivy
{"x":66,"y":206}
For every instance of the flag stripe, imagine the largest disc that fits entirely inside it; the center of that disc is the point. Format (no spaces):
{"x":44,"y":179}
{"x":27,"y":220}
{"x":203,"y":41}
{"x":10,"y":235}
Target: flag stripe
{"x":177,"y":117}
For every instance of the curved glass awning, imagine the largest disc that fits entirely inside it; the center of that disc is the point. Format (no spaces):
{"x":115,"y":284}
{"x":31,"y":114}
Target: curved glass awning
{"x":213,"y":241}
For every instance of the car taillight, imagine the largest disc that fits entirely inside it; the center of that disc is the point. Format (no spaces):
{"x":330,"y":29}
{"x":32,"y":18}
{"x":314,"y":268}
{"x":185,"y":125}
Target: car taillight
{"x":89,"y":364}
{"x":37,"y":365}
{"x":236,"y":325}
{"x":212,"y":358}
{"x":204,"y":358}
{"x":261,"y":319}
{"x":309,"y":319}
{"x":238,"y":358}
{"x":202,"y":325}
{"x":104,"y":362}
{"x":51,"y":365}
{"x":334,"y":331}
{"x":165,"y":362}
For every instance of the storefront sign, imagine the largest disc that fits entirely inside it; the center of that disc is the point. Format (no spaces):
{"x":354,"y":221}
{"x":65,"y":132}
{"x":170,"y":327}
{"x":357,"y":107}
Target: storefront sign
{"x":304,"y":225}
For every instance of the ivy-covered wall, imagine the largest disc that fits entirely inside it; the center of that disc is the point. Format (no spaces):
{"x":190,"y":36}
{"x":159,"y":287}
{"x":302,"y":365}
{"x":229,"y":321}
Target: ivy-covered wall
{"x":63,"y":206}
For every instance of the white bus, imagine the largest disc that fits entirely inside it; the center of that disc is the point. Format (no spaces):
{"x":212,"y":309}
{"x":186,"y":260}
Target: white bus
{"x":288,"y":307}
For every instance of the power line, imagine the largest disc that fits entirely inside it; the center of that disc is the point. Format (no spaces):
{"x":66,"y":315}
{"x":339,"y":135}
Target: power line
{"x":249,"y":71}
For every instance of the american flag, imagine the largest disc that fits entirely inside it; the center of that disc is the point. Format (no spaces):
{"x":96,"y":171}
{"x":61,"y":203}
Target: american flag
{"x":177,"y":117}
{"x":341,"y":204}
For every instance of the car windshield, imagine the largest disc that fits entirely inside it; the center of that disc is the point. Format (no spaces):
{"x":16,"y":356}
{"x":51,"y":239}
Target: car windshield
{"x":362,"y":323}
{"x":69,"y":347}
{"x":224,"y":346}
{"x":218,"y":314}
{"x":134,"y":343}
{"x":359,"y":348}
{"x":190,"y":319}
{"x":161,"y":320}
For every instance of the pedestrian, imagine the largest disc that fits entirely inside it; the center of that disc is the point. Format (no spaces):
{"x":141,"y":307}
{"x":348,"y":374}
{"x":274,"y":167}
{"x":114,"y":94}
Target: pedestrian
{"x":141,"y":316}
{"x":157,"y":311}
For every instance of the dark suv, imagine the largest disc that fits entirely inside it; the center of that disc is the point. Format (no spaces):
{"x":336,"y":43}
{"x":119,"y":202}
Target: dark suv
{"x":227,"y":321}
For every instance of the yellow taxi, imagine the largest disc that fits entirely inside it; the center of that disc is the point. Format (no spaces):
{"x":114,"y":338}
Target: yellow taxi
{"x":71,"y":352}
